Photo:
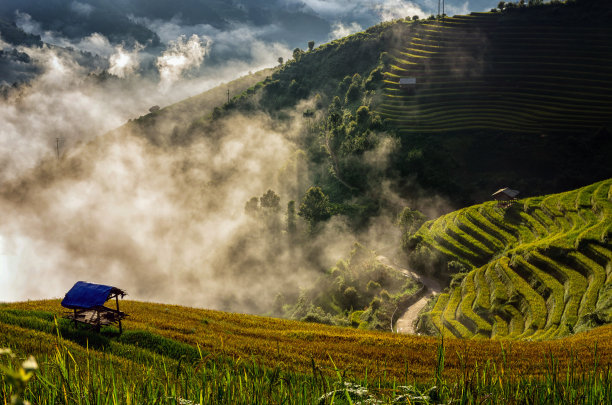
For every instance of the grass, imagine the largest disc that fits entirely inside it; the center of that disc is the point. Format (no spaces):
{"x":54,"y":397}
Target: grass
{"x":142,"y":368}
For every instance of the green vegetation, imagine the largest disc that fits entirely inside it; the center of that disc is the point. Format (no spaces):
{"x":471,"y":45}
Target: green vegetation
{"x":177,"y":355}
{"x":550,"y":278}
{"x":361,"y":292}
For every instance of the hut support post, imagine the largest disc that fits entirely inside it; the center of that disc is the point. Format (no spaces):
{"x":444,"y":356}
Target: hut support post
{"x":117,"y":301}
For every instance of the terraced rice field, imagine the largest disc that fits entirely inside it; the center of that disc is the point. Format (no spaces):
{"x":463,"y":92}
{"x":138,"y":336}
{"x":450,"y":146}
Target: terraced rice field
{"x":489,"y":71}
{"x":536,"y":269}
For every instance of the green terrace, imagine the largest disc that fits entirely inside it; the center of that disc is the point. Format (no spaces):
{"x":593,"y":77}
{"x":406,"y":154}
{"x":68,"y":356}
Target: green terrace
{"x":489,"y":71}
{"x":536,"y":269}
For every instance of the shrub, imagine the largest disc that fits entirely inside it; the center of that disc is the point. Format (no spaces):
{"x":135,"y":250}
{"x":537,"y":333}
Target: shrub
{"x":350,"y":297}
{"x":352,"y":94}
{"x":373,"y":286}
{"x":375,"y":303}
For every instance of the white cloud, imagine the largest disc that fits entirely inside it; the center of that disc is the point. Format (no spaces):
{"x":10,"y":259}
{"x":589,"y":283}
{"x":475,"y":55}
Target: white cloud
{"x":181,"y":55}
{"x":394,"y":9}
{"x":340,"y":30}
{"x":3,"y":45}
{"x":123,"y":63}
{"x":95,"y":43}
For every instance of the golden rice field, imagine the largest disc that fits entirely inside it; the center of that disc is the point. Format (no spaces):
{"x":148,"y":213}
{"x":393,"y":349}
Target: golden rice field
{"x":294,"y":346}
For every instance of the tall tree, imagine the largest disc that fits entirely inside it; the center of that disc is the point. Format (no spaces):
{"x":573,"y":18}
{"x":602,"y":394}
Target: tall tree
{"x":270,"y":200}
{"x":252,"y":206}
{"x":291,"y":218}
{"x":315,"y":206}
{"x":311,"y":45}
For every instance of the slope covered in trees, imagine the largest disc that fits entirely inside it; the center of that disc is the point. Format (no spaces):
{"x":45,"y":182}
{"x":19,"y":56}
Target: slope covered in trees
{"x":515,"y":97}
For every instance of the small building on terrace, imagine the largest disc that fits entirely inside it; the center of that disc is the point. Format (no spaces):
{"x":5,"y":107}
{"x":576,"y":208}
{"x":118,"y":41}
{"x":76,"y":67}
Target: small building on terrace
{"x":408,"y":84}
{"x":505,"y":196}
{"x":86,"y":300}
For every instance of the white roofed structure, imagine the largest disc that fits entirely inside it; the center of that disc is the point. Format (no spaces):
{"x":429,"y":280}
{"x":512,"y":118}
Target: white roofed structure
{"x":407,"y":81}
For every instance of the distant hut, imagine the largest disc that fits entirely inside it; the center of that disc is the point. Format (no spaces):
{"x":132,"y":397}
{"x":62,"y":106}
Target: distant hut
{"x":505,"y":196}
{"x":86,"y":300}
{"x":408,"y":84}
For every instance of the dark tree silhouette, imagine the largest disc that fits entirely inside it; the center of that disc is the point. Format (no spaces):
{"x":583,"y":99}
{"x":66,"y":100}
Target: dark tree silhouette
{"x":270,"y":200}
{"x":315,"y":206}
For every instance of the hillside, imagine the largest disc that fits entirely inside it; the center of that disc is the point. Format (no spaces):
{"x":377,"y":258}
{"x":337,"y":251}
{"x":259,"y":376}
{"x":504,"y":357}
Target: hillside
{"x":172,"y":354}
{"x":515,"y":97}
{"x":538,"y":269}
{"x":165,"y":126}
{"x":185,"y":177}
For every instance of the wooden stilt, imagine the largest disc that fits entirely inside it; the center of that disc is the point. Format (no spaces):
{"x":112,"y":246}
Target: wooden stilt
{"x":120,"y":326}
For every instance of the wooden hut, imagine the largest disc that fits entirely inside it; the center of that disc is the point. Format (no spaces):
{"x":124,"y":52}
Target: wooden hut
{"x":505,"y":196}
{"x":86,"y":300}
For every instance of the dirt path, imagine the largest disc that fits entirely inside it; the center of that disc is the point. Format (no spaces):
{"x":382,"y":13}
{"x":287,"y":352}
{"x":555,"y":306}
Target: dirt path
{"x":405,"y":322}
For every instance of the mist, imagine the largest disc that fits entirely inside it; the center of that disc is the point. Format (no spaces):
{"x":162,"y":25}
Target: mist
{"x":85,"y":198}
{"x":168,"y":223}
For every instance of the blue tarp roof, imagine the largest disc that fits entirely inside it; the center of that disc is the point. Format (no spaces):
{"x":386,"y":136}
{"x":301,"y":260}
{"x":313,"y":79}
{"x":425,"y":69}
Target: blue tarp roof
{"x":86,"y":295}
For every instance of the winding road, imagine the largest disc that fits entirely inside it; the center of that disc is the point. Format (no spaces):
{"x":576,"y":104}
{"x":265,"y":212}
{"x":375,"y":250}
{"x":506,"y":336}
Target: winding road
{"x":405,"y":322}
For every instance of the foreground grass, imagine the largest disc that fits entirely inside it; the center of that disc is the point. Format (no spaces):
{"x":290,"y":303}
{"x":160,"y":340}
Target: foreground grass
{"x":171,"y":354}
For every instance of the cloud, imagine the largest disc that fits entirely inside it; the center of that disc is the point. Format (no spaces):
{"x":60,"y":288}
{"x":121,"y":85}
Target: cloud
{"x":181,"y":55}
{"x":4,"y":45}
{"x":26,"y":23}
{"x":169,"y":30}
{"x":81,"y":8}
{"x":394,"y":9}
{"x":341,"y":10}
{"x":95,"y":43}
{"x":165,"y":223}
{"x":340,"y":30}
{"x":124,"y":63}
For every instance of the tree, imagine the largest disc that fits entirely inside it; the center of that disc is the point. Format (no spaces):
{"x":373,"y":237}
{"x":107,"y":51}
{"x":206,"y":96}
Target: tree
{"x":270,"y":200}
{"x":363,"y":113}
{"x":410,"y":220}
{"x":352,"y":94}
{"x":291,"y":219}
{"x":311,"y":45}
{"x":297,"y":54}
{"x":351,"y":297}
{"x":252,"y":206}
{"x":315,"y":206}
{"x":501,"y":5}
{"x":415,"y":18}
{"x":280,"y":60}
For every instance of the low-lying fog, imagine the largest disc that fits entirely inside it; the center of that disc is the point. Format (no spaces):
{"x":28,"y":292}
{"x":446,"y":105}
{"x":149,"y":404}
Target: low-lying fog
{"x":165,"y":223}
